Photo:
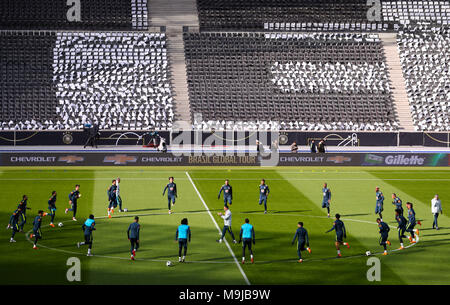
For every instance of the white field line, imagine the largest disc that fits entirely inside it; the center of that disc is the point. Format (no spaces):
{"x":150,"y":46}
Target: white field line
{"x":217,"y":226}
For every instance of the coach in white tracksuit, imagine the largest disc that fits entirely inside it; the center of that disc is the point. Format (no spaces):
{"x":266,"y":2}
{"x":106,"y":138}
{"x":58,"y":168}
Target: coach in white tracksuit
{"x":436,"y":208}
{"x":226,"y":224}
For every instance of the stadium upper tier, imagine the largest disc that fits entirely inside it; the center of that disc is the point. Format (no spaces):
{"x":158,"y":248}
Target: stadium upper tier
{"x":425,"y":58}
{"x":302,"y":81}
{"x":57,"y":15}
{"x":119,"y":80}
{"x":285,"y":15}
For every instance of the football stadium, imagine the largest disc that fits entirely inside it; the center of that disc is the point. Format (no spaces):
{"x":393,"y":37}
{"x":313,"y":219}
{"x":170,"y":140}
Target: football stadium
{"x":224,"y":143}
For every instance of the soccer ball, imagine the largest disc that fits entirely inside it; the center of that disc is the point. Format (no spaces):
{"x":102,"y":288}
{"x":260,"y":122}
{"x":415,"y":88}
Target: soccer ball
{"x":60,"y":224}
{"x":125,"y":210}
{"x":368,"y":253}
{"x":168,"y":263}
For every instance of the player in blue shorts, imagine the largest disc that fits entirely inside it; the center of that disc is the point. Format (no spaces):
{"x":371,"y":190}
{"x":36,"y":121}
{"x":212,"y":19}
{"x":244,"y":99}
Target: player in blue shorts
{"x":341,"y":233}
{"x":412,"y":223}
{"x":302,"y":235}
{"x":37,"y":234}
{"x":171,"y":188}
{"x":263,"y":193}
{"x":379,"y":203}
{"x":227,"y":193}
{"x":401,"y":220}
{"x":326,"y":200}
{"x":384,"y":232}
{"x":397,"y":202}
{"x":14,"y":224}
{"x":52,"y":208}
{"x":112,"y":198}
{"x":133,"y":236}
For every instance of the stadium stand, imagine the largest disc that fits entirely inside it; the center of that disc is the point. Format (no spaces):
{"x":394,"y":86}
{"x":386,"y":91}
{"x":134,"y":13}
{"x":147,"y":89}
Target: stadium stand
{"x":425,"y":58}
{"x":323,"y":15}
{"x":289,"y":81}
{"x":95,"y":15}
{"x":119,"y":80}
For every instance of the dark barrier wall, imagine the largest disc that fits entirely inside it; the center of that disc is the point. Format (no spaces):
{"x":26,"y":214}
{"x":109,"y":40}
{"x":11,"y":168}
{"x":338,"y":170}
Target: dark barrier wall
{"x":436,"y":139}
{"x":54,"y":138}
{"x":232,"y":138}
{"x":283,"y":159}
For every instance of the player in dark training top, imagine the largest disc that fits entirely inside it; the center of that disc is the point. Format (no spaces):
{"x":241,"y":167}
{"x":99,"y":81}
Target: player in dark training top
{"x":112,"y":198}
{"x":379,"y":203}
{"x":52,"y":208}
{"x":133,"y":236}
{"x":412,"y":223}
{"x":14,"y":224}
{"x":384,"y":232}
{"x":88,"y":227}
{"x":397,"y":202}
{"x":37,"y":234}
{"x":183,"y":235}
{"x":341,"y":233}
{"x":23,"y":214}
{"x":302,"y":235}
{"x":227,"y":193}
{"x":326,"y":200}
{"x":73,"y":201}
{"x":263,"y":193}
{"x":401,"y":220}
{"x":171,"y":188}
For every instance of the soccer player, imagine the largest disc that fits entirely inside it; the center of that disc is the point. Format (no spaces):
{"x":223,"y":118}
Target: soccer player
{"x":397,"y":202}
{"x":384,"y":231}
{"x":326,"y":198}
{"x":227,"y":193}
{"x":118,"y":198}
{"x":226,"y":224}
{"x":412,"y":223}
{"x":73,"y":201}
{"x":183,"y":235}
{"x":247,"y":235}
{"x":37,"y":234}
{"x":52,"y":208}
{"x":23,"y":214}
{"x":112,"y":198}
{"x":14,"y":224}
{"x":380,"y":202}
{"x":88,"y":227}
{"x":263,"y":193}
{"x":302,"y":235}
{"x":171,"y":193}
{"x":341,"y":233}
{"x":401,"y":220}
{"x":133,"y":236}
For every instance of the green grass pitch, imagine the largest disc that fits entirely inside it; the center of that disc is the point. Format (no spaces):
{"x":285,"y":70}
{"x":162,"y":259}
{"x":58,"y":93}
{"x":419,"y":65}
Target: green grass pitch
{"x":295,"y":196}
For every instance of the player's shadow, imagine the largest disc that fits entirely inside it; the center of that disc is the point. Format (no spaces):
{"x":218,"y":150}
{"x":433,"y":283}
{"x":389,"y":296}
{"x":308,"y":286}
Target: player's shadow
{"x":274,"y":212}
{"x":351,"y":215}
{"x":145,"y":210}
{"x":437,"y":234}
{"x":429,"y":229}
{"x":430,"y":243}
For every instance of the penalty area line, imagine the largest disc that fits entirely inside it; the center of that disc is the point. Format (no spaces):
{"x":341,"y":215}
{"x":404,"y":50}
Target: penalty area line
{"x":218,"y":228}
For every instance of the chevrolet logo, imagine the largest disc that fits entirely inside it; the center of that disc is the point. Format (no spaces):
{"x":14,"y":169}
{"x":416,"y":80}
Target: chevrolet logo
{"x":71,"y":159}
{"x":339,"y":159}
{"x":119,"y":159}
